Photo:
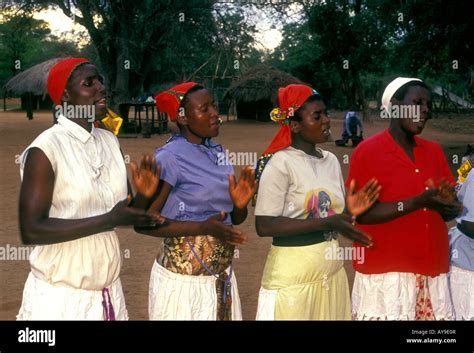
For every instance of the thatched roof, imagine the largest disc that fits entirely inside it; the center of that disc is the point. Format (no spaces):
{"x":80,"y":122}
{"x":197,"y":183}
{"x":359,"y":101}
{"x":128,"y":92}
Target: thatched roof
{"x":33,"y":80}
{"x":259,"y":83}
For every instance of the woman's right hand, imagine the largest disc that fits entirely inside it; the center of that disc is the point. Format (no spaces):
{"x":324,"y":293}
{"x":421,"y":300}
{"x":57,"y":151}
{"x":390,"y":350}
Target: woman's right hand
{"x":359,"y":202}
{"x":439,"y":199}
{"x":123,"y":215}
{"x":146,"y":178}
{"x":342,"y":223}
{"x":214,"y":226}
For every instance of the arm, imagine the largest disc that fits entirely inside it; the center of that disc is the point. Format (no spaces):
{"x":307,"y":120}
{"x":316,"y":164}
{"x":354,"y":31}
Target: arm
{"x":382,"y":212}
{"x":356,"y":202}
{"x":446,"y":185}
{"x":36,"y":227}
{"x":212,"y":226}
{"x":268,"y":226}
{"x":171,"y":228}
{"x":239,"y":215}
{"x":139,"y":201}
{"x":346,"y":125}
{"x":359,"y":123}
{"x":467,"y":228}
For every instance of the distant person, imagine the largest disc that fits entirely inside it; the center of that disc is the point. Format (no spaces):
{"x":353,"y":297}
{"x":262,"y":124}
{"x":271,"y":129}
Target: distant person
{"x":353,"y":130}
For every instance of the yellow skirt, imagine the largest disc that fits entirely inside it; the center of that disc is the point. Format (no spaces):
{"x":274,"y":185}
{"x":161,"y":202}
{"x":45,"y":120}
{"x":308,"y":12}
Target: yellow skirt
{"x":304,"y":283}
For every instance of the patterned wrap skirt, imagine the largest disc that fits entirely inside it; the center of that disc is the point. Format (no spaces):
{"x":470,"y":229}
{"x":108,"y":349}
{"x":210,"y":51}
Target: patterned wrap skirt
{"x":193,"y":279}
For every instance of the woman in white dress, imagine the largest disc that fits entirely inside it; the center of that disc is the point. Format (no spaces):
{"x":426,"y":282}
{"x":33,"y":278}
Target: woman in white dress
{"x":73,"y":194}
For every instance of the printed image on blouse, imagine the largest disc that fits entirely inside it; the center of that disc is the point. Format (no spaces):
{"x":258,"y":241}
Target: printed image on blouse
{"x":318,"y":204}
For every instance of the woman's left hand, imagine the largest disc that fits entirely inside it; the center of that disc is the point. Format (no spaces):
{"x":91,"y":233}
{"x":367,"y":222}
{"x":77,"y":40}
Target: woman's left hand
{"x":145,"y":179}
{"x":359,"y":202}
{"x":241,"y":192}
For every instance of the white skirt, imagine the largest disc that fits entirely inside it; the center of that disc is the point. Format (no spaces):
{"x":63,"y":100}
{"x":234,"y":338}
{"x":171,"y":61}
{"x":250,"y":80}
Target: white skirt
{"x":174,"y":296}
{"x":392,"y":296}
{"x":44,"y":301}
{"x":267,"y":299}
{"x":462,"y":292}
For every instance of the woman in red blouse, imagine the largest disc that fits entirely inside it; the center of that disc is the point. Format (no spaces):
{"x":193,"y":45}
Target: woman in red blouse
{"x":403,"y":276}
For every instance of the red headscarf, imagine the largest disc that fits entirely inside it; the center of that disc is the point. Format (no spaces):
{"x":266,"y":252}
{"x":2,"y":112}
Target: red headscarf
{"x":170,"y":100}
{"x":59,"y":75}
{"x":290,"y":99}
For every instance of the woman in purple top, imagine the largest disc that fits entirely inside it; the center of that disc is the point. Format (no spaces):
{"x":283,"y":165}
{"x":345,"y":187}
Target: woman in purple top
{"x":192,"y":277}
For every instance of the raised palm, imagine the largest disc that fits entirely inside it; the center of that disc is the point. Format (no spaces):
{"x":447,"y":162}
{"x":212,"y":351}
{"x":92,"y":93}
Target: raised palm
{"x":241,"y":192}
{"x":145,"y":179}
{"x":359,"y":202}
{"x":445,"y":191}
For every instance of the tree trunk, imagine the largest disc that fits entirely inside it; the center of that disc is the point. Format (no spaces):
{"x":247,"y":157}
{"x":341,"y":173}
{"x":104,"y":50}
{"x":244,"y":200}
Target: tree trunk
{"x":345,"y":85}
{"x":359,"y":93}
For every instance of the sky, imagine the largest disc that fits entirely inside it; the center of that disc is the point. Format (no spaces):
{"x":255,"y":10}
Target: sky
{"x":59,"y":24}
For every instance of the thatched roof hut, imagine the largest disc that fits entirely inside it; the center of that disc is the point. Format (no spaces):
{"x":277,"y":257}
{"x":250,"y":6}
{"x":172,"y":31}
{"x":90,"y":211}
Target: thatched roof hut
{"x":255,"y":94}
{"x":32,"y":86}
{"x":33,"y":80}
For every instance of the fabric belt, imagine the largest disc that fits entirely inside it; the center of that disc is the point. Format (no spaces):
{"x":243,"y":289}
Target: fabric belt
{"x":109,"y":313}
{"x":208,"y":270}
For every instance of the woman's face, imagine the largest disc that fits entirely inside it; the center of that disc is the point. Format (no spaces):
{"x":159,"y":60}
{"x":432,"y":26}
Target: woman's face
{"x":418,"y":100}
{"x":315,"y":123}
{"x":85,"y":87}
{"x":201,"y":116}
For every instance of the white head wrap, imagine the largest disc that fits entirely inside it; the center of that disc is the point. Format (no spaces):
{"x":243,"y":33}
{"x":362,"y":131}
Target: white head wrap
{"x":392,"y":88}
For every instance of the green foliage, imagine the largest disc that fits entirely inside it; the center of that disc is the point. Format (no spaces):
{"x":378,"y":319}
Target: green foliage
{"x":141,"y":44}
{"x":380,"y":39}
{"x":347,"y":49}
{"x":20,"y":38}
{"x":26,"y":41}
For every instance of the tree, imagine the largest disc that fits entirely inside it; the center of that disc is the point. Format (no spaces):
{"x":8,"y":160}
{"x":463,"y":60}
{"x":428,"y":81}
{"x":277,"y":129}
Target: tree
{"x":19,"y":38}
{"x":135,"y":41}
{"x":357,"y":46}
{"x":214,"y":47}
{"x":332,"y":46}
{"x":352,"y":38}
{"x":433,"y":40}
{"x":26,"y":41}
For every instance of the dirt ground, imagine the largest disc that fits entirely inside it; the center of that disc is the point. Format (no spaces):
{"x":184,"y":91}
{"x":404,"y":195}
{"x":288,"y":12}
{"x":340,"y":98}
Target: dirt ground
{"x":16,"y":132}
